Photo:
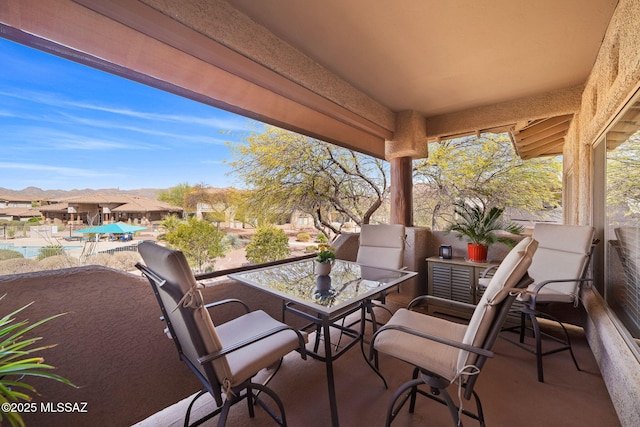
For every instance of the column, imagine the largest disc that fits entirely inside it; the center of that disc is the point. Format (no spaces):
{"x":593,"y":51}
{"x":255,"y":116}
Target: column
{"x":409,"y":142}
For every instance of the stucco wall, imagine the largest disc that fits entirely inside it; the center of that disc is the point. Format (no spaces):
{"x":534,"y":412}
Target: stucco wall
{"x":614,"y":79}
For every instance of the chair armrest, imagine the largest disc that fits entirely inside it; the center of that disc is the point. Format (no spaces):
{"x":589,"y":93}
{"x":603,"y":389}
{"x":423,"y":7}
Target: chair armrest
{"x":445,"y":341}
{"x":541,"y":285}
{"x":266,"y":334}
{"x":488,"y":270}
{"x":427,"y":298}
{"x":228,"y":301}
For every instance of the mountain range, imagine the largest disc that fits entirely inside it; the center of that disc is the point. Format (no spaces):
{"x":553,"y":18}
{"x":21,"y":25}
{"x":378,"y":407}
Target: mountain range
{"x":40,"y":194}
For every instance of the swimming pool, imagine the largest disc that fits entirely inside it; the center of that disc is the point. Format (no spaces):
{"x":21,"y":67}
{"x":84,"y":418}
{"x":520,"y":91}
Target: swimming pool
{"x":31,"y":251}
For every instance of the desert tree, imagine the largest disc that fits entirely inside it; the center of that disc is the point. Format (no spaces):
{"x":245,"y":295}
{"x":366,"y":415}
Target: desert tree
{"x":486,"y":170}
{"x":286,"y":172}
{"x":200,"y":241}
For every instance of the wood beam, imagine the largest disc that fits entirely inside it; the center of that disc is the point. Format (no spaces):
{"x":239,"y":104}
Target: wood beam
{"x":401,"y":191}
{"x":549,"y":150}
{"x":545,"y":124}
{"x":560,"y":129}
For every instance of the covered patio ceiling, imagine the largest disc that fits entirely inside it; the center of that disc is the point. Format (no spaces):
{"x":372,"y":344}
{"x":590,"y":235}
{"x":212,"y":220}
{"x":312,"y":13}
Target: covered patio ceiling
{"x":455,"y":57}
{"x":343,"y":71}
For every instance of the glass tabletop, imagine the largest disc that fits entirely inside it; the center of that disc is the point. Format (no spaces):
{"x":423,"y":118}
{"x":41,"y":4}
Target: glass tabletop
{"x":347,"y":283}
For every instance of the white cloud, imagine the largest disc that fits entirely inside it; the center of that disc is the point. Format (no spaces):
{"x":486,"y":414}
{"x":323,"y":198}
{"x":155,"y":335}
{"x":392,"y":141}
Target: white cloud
{"x":64,"y":171}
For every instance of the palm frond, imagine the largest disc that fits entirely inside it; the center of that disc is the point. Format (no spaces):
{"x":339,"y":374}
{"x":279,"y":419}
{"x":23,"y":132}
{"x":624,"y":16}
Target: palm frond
{"x":479,"y":226}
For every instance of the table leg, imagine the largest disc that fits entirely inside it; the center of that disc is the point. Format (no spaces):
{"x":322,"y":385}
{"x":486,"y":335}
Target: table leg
{"x":333,"y":405}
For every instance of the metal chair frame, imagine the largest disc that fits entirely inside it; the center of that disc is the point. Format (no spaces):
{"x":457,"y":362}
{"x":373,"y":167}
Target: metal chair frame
{"x":436,"y":383}
{"x":529,"y":310}
{"x":245,"y":390}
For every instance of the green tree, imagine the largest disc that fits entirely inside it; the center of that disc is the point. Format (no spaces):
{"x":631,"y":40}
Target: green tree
{"x":200,"y":241}
{"x":176,"y":196}
{"x":289,"y":172}
{"x":225,"y":204}
{"x":170,"y":223}
{"x":486,"y":170}
{"x":268,"y":244}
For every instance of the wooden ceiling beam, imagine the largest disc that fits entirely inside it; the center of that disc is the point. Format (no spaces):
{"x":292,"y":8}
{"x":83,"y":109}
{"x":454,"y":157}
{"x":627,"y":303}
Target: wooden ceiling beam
{"x":547,"y":149}
{"x":545,"y":124}
{"x":544,"y":141}
{"x":561,"y":128}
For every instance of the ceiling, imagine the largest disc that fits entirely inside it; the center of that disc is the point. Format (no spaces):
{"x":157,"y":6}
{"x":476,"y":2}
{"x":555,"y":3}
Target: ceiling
{"x":439,"y":57}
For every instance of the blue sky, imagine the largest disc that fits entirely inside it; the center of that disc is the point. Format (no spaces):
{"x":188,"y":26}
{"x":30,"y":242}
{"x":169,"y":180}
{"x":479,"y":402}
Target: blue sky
{"x":67,"y":126}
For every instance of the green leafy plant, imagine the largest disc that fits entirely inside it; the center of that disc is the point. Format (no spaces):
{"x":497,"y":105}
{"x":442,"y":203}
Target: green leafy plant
{"x":325,"y":253}
{"x":9,"y":254}
{"x":303,"y":237}
{"x":479,"y":226}
{"x":268,"y":244}
{"x":322,"y":238}
{"x":49,"y":251}
{"x":17,"y":361}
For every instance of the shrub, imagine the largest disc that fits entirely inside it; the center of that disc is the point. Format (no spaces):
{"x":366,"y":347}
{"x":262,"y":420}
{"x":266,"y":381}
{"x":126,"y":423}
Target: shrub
{"x":303,"y":237}
{"x":105,"y":260}
{"x":126,"y":260}
{"x":9,"y":254}
{"x":18,"y":266}
{"x":321,"y":238}
{"x":58,"y":262}
{"x":312,"y":249}
{"x":268,"y":244}
{"x":52,"y":250}
{"x":232,"y":241}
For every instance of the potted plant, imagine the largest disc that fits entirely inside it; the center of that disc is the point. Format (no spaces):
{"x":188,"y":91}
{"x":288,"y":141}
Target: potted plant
{"x":479,"y":226}
{"x":324,"y":259}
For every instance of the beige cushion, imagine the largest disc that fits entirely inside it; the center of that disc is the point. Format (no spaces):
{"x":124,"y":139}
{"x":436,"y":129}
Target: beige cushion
{"x":563,"y":251}
{"x":245,"y":362}
{"x":442,"y":359}
{"x":381,"y":245}
{"x":239,"y":365}
{"x":437,"y":358}
{"x":174,"y":268}
{"x":508,"y":274}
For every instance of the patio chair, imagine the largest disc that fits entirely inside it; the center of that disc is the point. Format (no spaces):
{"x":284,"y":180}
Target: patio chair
{"x":447,"y":353}
{"x":381,"y":246}
{"x":558,"y":269}
{"x":224,"y":357}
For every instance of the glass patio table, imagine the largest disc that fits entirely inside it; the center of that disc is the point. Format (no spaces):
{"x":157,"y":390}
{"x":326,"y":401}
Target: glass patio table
{"x":325,"y":300}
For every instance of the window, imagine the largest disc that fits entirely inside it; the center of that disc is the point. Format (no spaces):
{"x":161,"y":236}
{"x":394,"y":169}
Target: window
{"x":617,"y":215}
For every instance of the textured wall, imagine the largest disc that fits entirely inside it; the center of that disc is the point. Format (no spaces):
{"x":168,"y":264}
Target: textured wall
{"x":613,"y":81}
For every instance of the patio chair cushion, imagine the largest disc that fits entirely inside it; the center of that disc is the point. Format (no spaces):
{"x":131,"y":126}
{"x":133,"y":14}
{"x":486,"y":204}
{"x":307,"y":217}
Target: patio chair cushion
{"x":508,"y":274}
{"x":436,"y":357}
{"x":381,"y":245}
{"x":174,"y":268}
{"x":441,"y":359}
{"x":563,"y":251}
{"x":237,"y":366}
{"x":245,"y":362}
